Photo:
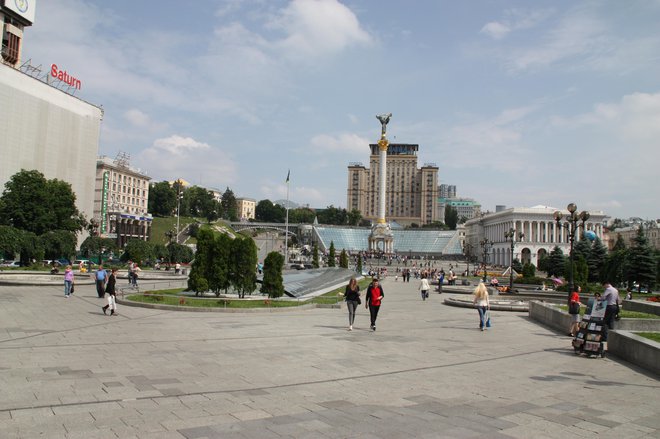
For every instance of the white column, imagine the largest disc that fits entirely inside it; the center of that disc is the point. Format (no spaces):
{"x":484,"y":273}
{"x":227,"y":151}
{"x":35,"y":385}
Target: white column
{"x":381,"y":184}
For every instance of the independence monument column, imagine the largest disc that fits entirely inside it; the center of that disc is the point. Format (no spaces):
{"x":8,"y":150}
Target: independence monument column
{"x":381,"y":231}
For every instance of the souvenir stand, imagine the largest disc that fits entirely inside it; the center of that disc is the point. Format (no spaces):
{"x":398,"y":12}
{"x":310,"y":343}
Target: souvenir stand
{"x":589,"y":339}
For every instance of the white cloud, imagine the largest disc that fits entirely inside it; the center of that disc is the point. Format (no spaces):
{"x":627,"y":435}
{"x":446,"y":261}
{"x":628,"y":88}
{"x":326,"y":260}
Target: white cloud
{"x":514,"y":20}
{"x":184,"y":157}
{"x":495,"y":30}
{"x":344,"y":143}
{"x":318,"y":27}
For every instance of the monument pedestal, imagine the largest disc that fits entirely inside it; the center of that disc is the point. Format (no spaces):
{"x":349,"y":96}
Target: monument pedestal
{"x":381,"y":233}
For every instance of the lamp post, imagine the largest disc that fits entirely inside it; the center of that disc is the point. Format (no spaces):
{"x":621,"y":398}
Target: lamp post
{"x":179,"y":195}
{"x":486,"y":244}
{"x":467,"y":249}
{"x":571,"y":224}
{"x":511,"y":236}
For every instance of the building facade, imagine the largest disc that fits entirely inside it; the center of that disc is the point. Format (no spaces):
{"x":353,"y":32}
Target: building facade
{"x":246,"y":208}
{"x":42,"y":127}
{"x":121,"y":201}
{"x":651,"y":231}
{"x":412,"y":192}
{"x":541,"y":234}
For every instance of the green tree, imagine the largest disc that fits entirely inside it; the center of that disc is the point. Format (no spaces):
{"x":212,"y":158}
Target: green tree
{"x":641,"y":264}
{"x":197,"y":279}
{"x":179,"y":253}
{"x":359,"y":264}
{"x":137,"y":250}
{"x":543,"y":262}
{"x":528,"y":270}
{"x":160,"y":252}
{"x":620,"y":244}
{"x":343,"y":259}
{"x":614,"y":267}
{"x":267,"y":212}
{"x":219,"y":264}
{"x":596,"y":260}
{"x":32,"y":203}
{"x":315,"y":256}
{"x":229,"y":205}
{"x":556,"y":262}
{"x":273,"y":284}
{"x":243,"y":263}
{"x":31,"y":248}
{"x":580,"y":269}
{"x":332,"y":215}
{"x":331,"y":255}
{"x":93,"y":246}
{"x":354,"y":217}
{"x":451,"y":217}
{"x":301,"y":215}
{"x":10,"y":242}
{"x":162,"y":199}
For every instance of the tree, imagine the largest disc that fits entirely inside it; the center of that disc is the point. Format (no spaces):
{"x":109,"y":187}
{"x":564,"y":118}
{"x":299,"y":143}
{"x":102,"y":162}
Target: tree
{"x":315,"y":256}
{"x":243,"y":263}
{"x":10,"y":242}
{"x":138,"y":251}
{"x":516,"y":265}
{"x":354,"y":217}
{"x":32,"y":203}
{"x":267,"y":212}
{"x":528,"y":270}
{"x":162,"y":199}
{"x":333,"y":215}
{"x":614,"y":267}
{"x":30,"y":249}
{"x":641,"y":264}
{"x":273,"y":284}
{"x":556,"y":262}
{"x":197,"y":279}
{"x":179,"y":253}
{"x":596,"y":260}
{"x":451,"y":217}
{"x":219,"y":264}
{"x":331,"y":255}
{"x":343,"y":259}
{"x":543,"y":262}
{"x":580,"y":269}
{"x":93,"y":246}
{"x":229,"y":205}
{"x":359,"y":264}
{"x":301,"y":215}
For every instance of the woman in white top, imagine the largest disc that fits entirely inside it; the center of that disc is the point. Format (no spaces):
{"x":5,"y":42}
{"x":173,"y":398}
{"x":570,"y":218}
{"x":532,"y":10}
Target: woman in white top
{"x":424,"y":287}
{"x":483,"y":305}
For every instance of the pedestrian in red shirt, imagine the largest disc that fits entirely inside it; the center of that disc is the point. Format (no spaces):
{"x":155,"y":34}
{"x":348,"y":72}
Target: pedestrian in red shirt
{"x":374,"y":297}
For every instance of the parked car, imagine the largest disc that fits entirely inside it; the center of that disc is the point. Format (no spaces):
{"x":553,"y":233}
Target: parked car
{"x":84,"y":262}
{"x":297,"y":266}
{"x":11,"y":264}
{"x":308,"y":266}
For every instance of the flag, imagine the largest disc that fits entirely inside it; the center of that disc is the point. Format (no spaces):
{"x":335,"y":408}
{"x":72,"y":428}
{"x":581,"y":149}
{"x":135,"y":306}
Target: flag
{"x":288,"y":174}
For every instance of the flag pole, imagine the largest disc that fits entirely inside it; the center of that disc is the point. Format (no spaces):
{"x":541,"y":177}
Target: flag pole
{"x":286,"y":225}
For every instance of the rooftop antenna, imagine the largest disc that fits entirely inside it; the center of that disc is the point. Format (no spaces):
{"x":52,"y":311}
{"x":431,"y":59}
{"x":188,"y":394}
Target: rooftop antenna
{"x":123,"y":159}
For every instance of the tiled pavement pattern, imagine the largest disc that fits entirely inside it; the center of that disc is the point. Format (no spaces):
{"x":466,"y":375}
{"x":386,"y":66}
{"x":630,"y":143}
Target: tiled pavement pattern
{"x":68,"y":371}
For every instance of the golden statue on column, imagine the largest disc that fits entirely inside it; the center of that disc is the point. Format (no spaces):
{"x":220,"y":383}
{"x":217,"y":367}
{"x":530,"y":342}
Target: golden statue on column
{"x":381,"y":232}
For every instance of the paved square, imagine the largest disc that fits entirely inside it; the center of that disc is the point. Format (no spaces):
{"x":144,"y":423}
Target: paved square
{"x":68,"y":371}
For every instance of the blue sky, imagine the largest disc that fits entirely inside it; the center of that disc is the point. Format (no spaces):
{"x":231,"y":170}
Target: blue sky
{"x":519,"y":103}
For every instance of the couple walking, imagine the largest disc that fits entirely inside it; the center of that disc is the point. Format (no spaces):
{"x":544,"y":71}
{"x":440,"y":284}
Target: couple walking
{"x":372,"y":299}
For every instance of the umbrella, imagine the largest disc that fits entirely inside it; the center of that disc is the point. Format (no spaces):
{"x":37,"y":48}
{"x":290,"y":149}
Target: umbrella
{"x":557,"y":281}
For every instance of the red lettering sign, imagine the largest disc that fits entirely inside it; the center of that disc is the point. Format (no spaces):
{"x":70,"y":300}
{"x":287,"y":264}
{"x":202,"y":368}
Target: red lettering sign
{"x":63,"y":75}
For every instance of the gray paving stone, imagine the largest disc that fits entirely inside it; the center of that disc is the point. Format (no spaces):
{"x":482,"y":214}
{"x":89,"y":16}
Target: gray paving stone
{"x":300,"y":374}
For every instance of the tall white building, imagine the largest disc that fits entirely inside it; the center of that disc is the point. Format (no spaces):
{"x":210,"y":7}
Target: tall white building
{"x":541,"y":233}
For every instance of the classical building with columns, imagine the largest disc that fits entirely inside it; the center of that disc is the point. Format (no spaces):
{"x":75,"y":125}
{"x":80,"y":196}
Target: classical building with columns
{"x":121,"y":201}
{"x":541,"y":233}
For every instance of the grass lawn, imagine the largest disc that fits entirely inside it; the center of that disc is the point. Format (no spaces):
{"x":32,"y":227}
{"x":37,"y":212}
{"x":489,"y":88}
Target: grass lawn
{"x":655,"y":336}
{"x":623,"y":313}
{"x":160,"y":226}
{"x":172,"y":297}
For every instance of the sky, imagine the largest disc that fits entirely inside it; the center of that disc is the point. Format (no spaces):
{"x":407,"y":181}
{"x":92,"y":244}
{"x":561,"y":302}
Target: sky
{"x":518,"y":103}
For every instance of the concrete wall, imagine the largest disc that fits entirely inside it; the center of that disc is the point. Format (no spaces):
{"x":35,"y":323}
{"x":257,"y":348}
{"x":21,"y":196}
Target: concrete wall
{"x":635,"y":349}
{"x":642,"y":306}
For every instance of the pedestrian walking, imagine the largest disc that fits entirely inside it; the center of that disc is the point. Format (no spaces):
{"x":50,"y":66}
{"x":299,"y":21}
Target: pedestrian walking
{"x":424,"y":287}
{"x":68,"y":281}
{"x":101,"y":277}
{"x":111,"y":293}
{"x":136,"y":274}
{"x":352,"y":297}
{"x":483,"y":305}
{"x":574,"y":310}
{"x":373,"y":299}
